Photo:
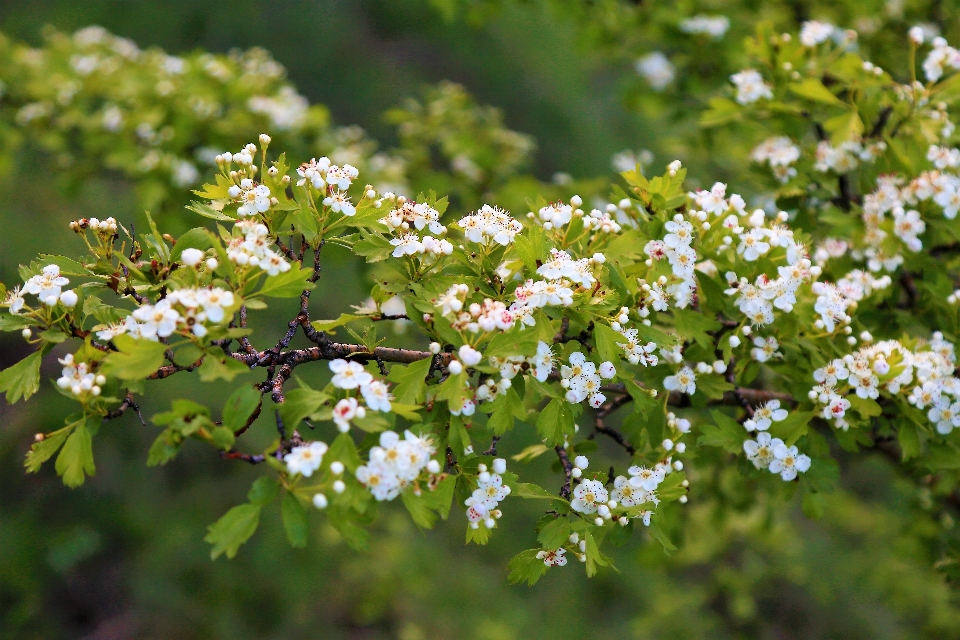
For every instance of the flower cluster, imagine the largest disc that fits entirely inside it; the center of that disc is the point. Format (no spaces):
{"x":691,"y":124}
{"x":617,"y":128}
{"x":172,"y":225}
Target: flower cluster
{"x":396,"y":464}
{"x":675,"y":247}
{"x":750,"y":86}
{"x":924,"y":375}
{"x":323,"y":176}
{"x":184,"y":310}
{"x":582,"y":379}
{"x":767,"y":452}
{"x":250,"y":245}
{"x":780,"y":153}
{"x":418,"y":215}
{"x":847,"y":156}
{"x":490,"y":492}
{"x":714,"y":26}
{"x":77,"y":377}
{"x":656,"y":69}
{"x":306,"y":459}
{"x":490,"y":224}
{"x":941,"y":57}
{"x":47,"y":286}
{"x":351,"y":376}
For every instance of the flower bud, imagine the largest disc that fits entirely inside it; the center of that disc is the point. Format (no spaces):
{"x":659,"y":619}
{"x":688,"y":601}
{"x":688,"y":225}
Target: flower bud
{"x":191,"y":257}
{"x":581,"y":462}
{"x":212,"y":263}
{"x":320,"y":501}
{"x":455,"y":367}
{"x":69,"y":299}
{"x":264,"y":140}
{"x":433,"y":467}
{"x":339,"y":486}
{"x":499,"y":465}
{"x":336,"y":467}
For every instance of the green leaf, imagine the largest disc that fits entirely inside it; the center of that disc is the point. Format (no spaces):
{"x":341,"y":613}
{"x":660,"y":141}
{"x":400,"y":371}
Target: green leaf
{"x":288,"y":285}
{"x":695,"y":325}
{"x":75,"y":461}
{"x":42,"y":451}
{"x":526,"y":567}
{"x":135,"y":360}
{"x":164,"y":448}
{"x":909,"y":439}
{"x":607,"y":342}
{"x":208,"y":212}
{"x":328,"y":325}
{"x":713,"y":386}
{"x":300,"y":403}
{"x":411,"y":381}
{"x":813,"y":89}
{"x":232,"y":530}
{"x":294,"y":520}
{"x":419,"y":511}
{"x":220,"y":367}
{"x":518,"y":341}
{"x":725,"y":433}
{"x":793,"y":427}
{"x":22,"y":380}
{"x":866,"y":407}
{"x":554,"y":534}
{"x":240,"y":406}
{"x":658,"y":534}
{"x":18,"y":323}
{"x":530,"y":491}
{"x":556,"y":421}
{"x":441,"y":498}
{"x":722,"y":111}
{"x":844,"y":128}
{"x":263,"y":491}
{"x":453,"y":390}
{"x":531,"y":246}
{"x":222,"y":438}
{"x":344,"y":450}
{"x":507,"y":407}
{"x":197,"y":238}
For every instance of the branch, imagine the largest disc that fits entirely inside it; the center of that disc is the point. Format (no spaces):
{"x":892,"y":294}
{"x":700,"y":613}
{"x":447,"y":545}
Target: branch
{"x":567,"y":472}
{"x":128,"y":403}
{"x":600,"y":427}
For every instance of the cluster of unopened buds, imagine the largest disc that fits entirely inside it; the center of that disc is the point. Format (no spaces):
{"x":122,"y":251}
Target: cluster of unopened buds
{"x":103,"y":228}
{"x":482,"y":505}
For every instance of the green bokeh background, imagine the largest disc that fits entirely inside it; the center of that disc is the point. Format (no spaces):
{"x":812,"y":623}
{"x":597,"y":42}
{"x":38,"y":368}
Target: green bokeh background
{"x":123,"y":556}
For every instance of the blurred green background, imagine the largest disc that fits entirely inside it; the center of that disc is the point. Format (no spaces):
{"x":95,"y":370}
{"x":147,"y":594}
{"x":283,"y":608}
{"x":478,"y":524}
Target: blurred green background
{"x":123,"y":556}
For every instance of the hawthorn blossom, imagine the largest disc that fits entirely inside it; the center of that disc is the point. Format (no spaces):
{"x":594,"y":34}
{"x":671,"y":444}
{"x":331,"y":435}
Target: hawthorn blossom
{"x":349,"y":375}
{"x":305,"y":459}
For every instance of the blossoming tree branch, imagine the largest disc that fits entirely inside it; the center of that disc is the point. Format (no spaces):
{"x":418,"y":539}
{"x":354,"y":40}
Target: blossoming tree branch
{"x":670,"y":323}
